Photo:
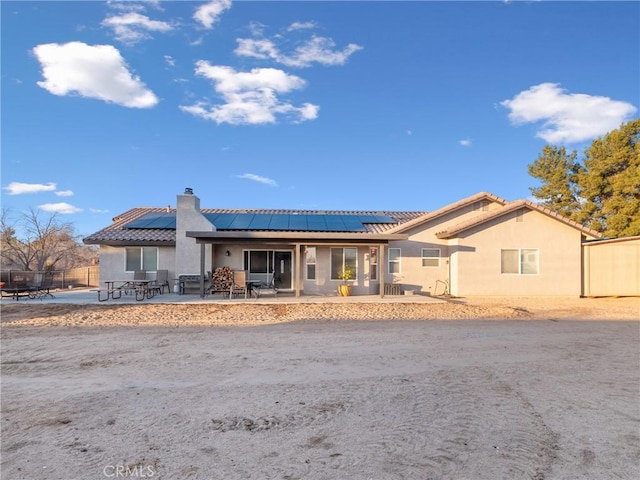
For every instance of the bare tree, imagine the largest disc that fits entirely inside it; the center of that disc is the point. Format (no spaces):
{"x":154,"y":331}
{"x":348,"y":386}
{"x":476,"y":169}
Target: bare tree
{"x":44,"y":242}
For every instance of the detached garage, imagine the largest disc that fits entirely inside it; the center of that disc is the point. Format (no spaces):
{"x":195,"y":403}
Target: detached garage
{"x":611,"y":267}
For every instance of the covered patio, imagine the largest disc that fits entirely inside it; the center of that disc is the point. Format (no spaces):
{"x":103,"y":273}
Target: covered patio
{"x":296,"y":242}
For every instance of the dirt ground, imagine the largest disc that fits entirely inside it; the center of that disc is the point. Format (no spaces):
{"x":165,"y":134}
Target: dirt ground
{"x":473,"y":389}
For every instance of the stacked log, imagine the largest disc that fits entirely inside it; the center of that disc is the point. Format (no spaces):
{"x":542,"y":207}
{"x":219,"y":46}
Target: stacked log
{"x":221,"y":279}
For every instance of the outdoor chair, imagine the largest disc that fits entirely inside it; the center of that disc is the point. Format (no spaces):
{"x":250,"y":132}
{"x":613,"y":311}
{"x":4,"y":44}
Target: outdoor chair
{"x":239,"y":284}
{"x":266,"y":288}
{"x":140,"y":275}
{"x":161,"y":281}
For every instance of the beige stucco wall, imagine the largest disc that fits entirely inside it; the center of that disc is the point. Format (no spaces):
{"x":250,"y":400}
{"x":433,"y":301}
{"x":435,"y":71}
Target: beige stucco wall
{"x":612,"y":268}
{"x":430,"y":280}
{"x":112,"y":263}
{"x":478,"y":259}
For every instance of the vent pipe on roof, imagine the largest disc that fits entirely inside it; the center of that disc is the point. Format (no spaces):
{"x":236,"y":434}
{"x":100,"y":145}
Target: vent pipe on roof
{"x":188,"y":191}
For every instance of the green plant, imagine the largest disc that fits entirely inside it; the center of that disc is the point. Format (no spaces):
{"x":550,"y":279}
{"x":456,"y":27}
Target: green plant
{"x":346,"y":274}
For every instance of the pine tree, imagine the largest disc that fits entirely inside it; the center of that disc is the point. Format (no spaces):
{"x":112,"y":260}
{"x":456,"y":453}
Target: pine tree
{"x":602,"y":192}
{"x":558,"y":172}
{"x":610,"y":182}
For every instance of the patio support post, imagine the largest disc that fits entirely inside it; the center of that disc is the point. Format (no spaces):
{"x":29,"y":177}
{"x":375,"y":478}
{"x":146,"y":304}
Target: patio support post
{"x":202,"y":255}
{"x":297,"y":258}
{"x":381,"y":263}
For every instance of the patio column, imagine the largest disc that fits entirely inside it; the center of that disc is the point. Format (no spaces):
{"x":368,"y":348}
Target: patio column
{"x":382,"y":260}
{"x":296,"y":268}
{"x":202,"y":255}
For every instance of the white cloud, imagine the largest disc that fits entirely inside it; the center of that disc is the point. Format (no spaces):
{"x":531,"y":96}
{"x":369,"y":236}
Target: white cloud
{"x":250,"y":97}
{"x":131,"y":6}
{"x":64,"y":193}
{"x":301,"y":26}
{"x":567,"y":117}
{"x":209,"y":13}
{"x":132,"y":27}
{"x":62,"y":208}
{"x":170,"y":60}
{"x":97,"y":210}
{"x":92,"y":71}
{"x":465,"y":143}
{"x":259,"y":179}
{"x":315,"y":50}
{"x":19,"y":188}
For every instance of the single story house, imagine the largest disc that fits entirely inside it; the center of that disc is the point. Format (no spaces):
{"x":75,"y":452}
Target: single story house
{"x":480,"y":245}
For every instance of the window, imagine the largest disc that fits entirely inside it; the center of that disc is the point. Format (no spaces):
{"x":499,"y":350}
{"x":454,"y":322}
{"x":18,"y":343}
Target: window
{"x":430,"y":257}
{"x":310,"y":261}
{"x":373,"y":264}
{"x":519,"y":261}
{"x":341,"y":258}
{"x":394,"y":260}
{"x":258,"y":261}
{"x":141,"y":258}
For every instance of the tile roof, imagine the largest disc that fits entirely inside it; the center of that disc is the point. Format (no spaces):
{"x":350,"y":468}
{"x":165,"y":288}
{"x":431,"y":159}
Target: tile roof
{"x":118,"y":234}
{"x":454,"y":230}
{"x":428,"y":216}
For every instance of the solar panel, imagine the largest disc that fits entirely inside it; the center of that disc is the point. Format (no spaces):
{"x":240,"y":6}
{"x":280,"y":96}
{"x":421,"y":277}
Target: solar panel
{"x":316,"y":223}
{"x":376,"y":219}
{"x":335,"y":223}
{"x":352,"y":223}
{"x":160,"y":220}
{"x":279,"y":221}
{"x":268,"y":221}
{"x":298,"y":222}
{"x":241,"y":222}
{"x":221,"y":220}
{"x":260,"y":221}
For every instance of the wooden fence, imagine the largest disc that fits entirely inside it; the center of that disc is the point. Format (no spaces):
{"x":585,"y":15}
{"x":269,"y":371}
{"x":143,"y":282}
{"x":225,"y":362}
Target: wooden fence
{"x":72,"y":278}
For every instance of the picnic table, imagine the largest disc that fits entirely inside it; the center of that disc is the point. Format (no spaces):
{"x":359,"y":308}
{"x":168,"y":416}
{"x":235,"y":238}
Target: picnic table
{"x":114,"y":288}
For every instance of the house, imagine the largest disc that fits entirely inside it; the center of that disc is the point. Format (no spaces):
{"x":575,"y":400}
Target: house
{"x":480,"y":245}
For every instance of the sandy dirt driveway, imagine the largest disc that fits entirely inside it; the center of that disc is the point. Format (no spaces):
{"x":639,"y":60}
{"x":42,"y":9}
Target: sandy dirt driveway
{"x":523,"y":398}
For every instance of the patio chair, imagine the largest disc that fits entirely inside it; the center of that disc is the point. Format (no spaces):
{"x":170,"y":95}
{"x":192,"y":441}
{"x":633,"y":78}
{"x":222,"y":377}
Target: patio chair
{"x":239,"y":284}
{"x":140,"y":275}
{"x":266,"y":288}
{"x":161,"y":281}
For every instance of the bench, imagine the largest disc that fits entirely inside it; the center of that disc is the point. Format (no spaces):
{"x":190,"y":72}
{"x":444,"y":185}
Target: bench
{"x":109,"y":292}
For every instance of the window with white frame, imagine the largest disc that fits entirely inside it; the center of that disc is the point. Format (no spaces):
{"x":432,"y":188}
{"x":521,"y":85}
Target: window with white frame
{"x":519,"y":261}
{"x":344,"y":258}
{"x":141,"y":258}
{"x":310,"y":262}
{"x":373,"y":264}
{"x":394,"y":260}
{"x":430,"y":257}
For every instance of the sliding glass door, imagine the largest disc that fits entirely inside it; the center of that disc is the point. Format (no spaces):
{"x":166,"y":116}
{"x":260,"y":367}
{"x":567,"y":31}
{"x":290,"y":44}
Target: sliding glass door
{"x":261,"y":264}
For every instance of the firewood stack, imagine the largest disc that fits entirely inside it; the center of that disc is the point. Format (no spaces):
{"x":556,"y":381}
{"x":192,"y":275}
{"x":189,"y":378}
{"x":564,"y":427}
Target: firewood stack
{"x":221,"y":279}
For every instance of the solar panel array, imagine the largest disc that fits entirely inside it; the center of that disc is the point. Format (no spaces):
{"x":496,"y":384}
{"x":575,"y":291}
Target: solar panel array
{"x":161,"y":220}
{"x":269,"y":221}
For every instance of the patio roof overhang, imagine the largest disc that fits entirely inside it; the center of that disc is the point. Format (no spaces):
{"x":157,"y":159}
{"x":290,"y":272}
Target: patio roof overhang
{"x":225,"y":237}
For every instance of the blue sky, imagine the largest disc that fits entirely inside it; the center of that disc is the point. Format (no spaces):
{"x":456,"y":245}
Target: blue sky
{"x":323,"y":105}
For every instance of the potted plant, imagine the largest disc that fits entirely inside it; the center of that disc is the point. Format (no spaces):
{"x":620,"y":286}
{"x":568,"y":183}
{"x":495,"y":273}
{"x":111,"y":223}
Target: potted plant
{"x":346,"y":274}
